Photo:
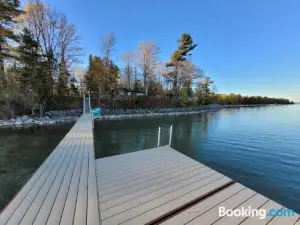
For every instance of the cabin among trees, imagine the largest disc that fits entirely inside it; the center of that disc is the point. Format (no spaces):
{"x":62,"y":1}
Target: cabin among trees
{"x":131,"y":92}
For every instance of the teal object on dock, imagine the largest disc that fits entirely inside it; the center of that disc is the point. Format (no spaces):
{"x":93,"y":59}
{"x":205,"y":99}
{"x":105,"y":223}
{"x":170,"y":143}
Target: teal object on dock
{"x":97,"y":112}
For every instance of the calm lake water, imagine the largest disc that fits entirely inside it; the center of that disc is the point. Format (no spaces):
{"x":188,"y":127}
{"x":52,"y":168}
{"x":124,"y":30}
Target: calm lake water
{"x":258,"y":146}
{"x":22,"y":151}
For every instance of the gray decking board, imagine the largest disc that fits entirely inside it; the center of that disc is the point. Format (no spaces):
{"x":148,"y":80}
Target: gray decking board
{"x":167,"y":180}
{"x":63,"y":190}
{"x":156,"y":195}
{"x":286,"y":220}
{"x":147,"y":176}
{"x":128,"y":175}
{"x":142,"y":187}
{"x":235,"y":196}
{"x":149,"y":188}
{"x":212,"y":215}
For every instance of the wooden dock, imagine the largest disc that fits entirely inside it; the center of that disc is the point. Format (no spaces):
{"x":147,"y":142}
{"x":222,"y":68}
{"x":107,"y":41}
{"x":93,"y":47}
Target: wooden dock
{"x":154,"y":186}
{"x":163,"y":186}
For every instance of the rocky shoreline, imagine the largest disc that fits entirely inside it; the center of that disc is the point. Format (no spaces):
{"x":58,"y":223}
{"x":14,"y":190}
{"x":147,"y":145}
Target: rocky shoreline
{"x":49,"y":118}
{"x":66,"y":116}
{"x":119,"y":114}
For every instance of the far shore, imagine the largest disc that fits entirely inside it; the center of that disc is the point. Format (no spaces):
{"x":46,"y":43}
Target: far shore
{"x":121,"y":114}
{"x":67,"y":116}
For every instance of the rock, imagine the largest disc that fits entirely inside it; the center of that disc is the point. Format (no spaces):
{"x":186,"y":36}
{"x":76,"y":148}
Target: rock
{"x":25,"y":117}
{"x":48,"y":118}
{"x":4,"y":123}
{"x":19,"y":121}
{"x":40,"y":123}
{"x":50,"y":122}
{"x":29,"y":121}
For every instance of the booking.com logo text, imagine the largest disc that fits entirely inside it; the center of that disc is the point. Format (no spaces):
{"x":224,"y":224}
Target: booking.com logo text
{"x":249,"y":212}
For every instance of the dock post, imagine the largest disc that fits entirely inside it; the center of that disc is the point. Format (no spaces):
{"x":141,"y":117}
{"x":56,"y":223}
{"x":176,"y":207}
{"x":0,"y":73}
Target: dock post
{"x":90,"y":106}
{"x":83,"y":103}
{"x":170,"y":138}
{"x":91,"y":111}
{"x":158,"y":138}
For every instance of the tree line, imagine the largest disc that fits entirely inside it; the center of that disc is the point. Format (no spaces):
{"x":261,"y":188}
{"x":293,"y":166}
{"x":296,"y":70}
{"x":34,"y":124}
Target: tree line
{"x":40,"y":49}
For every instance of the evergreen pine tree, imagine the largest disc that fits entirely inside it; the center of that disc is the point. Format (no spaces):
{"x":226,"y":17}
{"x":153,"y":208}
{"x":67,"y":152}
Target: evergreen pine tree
{"x":9,"y":9}
{"x":88,"y":75}
{"x":30,"y":61}
{"x":185,"y":46}
{"x":63,"y":79}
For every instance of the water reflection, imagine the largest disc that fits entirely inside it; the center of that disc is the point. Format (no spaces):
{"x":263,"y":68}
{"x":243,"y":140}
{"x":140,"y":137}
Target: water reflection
{"x":258,"y":147}
{"x":22,"y":151}
{"x":118,"y":137}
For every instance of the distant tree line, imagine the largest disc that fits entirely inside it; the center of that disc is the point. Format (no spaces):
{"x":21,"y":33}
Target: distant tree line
{"x":237,"y":99}
{"x":39,"y":58}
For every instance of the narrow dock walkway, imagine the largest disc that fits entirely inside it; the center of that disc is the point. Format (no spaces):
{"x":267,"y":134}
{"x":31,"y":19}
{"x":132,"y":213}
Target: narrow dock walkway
{"x":63,"y":190}
{"x":163,"y":186}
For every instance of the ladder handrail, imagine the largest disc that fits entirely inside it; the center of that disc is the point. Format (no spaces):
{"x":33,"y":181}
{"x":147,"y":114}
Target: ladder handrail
{"x":83,"y":104}
{"x":170,"y":136}
{"x":87,"y":102}
{"x":90,"y":105}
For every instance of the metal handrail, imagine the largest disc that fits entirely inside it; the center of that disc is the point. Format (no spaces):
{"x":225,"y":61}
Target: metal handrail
{"x":83,"y":104}
{"x":170,"y":136}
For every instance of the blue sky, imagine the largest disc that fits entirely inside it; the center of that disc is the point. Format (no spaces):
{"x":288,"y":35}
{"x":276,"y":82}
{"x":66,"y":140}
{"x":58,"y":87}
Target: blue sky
{"x":251,"y":47}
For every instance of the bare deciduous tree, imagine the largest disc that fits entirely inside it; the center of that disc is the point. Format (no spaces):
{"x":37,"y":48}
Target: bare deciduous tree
{"x":128,"y":71}
{"x":78,"y":74}
{"x":107,"y":45}
{"x":69,"y":48}
{"x":188,"y":72}
{"x":42,"y":22}
{"x":146,"y":57}
{"x":69,"y":52}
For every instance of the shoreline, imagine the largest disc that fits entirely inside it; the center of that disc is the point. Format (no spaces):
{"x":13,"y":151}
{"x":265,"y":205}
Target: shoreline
{"x":131,"y":116}
{"x":19,"y":122}
{"x":138,"y":113}
{"x":67,"y":116}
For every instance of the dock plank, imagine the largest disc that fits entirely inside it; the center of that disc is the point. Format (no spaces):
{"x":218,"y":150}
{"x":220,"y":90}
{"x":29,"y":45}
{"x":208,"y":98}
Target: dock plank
{"x":67,"y":217}
{"x":257,"y":220}
{"x":159,"y":178}
{"x":204,"y":206}
{"x":147,"y":177}
{"x":93,"y":216}
{"x":81,"y":204}
{"x":286,"y":220}
{"x":254,"y":202}
{"x":140,"y":162}
{"x":151,"y":187}
{"x":169,"y":206}
{"x":53,"y":195}
{"x":133,"y":174}
{"x":173,"y":189}
{"x":212,"y":215}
